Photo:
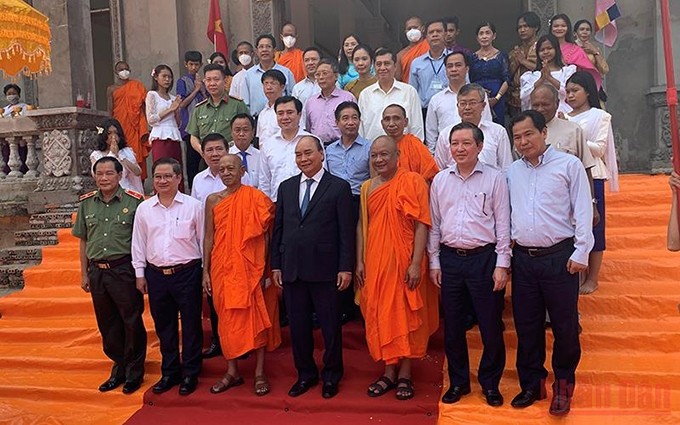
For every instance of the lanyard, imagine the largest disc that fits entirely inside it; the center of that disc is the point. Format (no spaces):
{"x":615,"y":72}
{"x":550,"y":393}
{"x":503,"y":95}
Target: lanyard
{"x":436,"y":71}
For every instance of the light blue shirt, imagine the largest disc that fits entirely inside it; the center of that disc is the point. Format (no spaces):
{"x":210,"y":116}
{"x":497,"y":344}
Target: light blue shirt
{"x":551,"y":202}
{"x":253,"y":92}
{"x":428,"y":76}
{"x":348,"y":76}
{"x":350,"y":164}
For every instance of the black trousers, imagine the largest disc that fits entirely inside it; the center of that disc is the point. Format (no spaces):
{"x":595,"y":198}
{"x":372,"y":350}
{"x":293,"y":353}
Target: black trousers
{"x":170,"y":295}
{"x":302,"y":298}
{"x":540,"y":283}
{"x":118,"y":307}
{"x":467,"y":285}
{"x":215,"y":336}
{"x":193,"y":159}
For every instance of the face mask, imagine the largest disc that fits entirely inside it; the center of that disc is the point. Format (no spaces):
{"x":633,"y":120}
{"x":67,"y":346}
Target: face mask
{"x":13,"y":98}
{"x":245,"y":60}
{"x":413,"y":35}
{"x":289,"y":41}
{"x":124,"y":74}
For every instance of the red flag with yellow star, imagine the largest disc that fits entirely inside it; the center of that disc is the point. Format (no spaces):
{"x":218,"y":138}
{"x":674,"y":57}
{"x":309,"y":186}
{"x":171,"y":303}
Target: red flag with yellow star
{"x":216,"y":32}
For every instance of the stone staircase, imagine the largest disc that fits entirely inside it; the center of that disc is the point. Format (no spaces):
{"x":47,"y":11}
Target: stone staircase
{"x":28,"y":244}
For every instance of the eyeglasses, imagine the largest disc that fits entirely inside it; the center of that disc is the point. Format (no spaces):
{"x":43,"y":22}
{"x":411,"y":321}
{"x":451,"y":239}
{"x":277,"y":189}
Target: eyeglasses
{"x":471,"y":103}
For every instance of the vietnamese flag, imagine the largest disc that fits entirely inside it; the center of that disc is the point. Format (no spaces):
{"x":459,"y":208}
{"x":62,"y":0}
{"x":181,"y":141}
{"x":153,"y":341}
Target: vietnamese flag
{"x":216,"y":30}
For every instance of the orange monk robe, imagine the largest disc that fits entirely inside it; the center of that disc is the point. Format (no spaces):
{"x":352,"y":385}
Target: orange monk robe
{"x":293,"y":60}
{"x":414,"y":156}
{"x":419,"y":49}
{"x":127,"y":109}
{"x":247,"y":315}
{"x":399,"y":321}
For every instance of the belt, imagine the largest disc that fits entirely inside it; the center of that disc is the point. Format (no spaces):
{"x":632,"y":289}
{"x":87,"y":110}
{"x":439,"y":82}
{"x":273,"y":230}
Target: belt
{"x":170,"y":270}
{"x":466,"y":252}
{"x":540,"y":251}
{"x":109,"y":264}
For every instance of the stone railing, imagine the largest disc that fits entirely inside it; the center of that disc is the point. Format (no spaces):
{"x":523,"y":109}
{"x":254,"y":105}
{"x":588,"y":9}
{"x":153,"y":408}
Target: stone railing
{"x":45,"y":158}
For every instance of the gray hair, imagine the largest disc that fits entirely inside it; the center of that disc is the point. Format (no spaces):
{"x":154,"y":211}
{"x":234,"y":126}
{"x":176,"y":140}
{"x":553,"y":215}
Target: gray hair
{"x":472,"y":87}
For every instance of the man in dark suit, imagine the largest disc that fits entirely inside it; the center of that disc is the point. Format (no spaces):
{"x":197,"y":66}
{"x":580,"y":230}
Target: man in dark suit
{"x":312,"y":256}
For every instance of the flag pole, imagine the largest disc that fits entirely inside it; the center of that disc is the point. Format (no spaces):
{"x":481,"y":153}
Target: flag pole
{"x":214,"y":41}
{"x":671,"y":91}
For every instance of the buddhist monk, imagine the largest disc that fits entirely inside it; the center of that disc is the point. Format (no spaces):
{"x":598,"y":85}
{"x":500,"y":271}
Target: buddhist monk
{"x":397,"y":299}
{"x":417,"y":46}
{"x":126,"y":104}
{"x":237,"y":224}
{"x":291,"y":57}
{"x":413,"y":154}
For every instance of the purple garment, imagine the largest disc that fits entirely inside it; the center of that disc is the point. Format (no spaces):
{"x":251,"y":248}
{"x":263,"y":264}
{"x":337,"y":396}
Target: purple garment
{"x":320,"y":114}
{"x":491,"y":74}
{"x":185,"y":86}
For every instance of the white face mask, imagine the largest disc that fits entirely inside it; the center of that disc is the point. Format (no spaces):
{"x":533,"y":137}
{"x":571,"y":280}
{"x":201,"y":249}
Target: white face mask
{"x":124,"y":74}
{"x":289,"y":41}
{"x":13,"y":98}
{"x":245,"y":60}
{"x":414,"y":35}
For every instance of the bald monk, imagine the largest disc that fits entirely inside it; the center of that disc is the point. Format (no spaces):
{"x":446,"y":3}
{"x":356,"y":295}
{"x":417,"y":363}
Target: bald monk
{"x":414,"y":155}
{"x":291,"y":57}
{"x":397,"y":299}
{"x":237,"y":224}
{"x":125,"y":100}
{"x":417,"y":46}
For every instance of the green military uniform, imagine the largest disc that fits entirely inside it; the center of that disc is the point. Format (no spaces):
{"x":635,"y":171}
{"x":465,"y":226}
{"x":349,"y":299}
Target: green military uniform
{"x":210,"y":118}
{"x":106,"y":228}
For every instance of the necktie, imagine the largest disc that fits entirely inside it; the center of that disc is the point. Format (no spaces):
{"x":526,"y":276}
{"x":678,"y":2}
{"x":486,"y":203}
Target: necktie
{"x":305,"y":199}
{"x":244,"y":157}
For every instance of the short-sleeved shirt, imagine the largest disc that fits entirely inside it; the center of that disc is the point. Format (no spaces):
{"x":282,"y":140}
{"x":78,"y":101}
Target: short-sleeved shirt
{"x":106,"y":227}
{"x":210,"y":118}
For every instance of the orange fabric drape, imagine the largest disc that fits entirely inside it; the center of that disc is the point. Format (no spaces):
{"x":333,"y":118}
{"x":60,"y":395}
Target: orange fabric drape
{"x":293,"y":60}
{"x":414,"y":156}
{"x":248,"y":315}
{"x":127,"y":108}
{"x":413,"y":52}
{"x":399,"y":321}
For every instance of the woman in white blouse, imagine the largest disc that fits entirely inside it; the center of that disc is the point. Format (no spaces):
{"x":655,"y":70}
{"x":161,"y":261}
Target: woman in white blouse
{"x":162,"y":113}
{"x":111,"y":142}
{"x":549,"y":70}
{"x":582,"y":96}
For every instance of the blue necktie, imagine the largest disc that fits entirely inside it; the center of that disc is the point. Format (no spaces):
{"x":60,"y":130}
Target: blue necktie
{"x":244,"y":156}
{"x":305,"y":199}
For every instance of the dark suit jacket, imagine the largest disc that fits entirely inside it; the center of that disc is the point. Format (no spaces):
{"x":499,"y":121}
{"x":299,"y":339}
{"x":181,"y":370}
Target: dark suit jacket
{"x":317,"y":246}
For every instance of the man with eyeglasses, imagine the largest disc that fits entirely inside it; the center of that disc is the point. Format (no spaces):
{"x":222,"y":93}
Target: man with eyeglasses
{"x":167,"y":243}
{"x":497,"y":149}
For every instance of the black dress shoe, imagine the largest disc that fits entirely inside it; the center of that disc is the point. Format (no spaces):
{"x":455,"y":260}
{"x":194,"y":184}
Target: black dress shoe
{"x":188,"y":385}
{"x":560,"y":405}
{"x":213,"y":351}
{"x":454,"y":394}
{"x":165,"y":384}
{"x":329,"y":390}
{"x":493,"y":398}
{"x":111,"y":384}
{"x":301,"y":387}
{"x":526,"y":398}
{"x":131,"y":386}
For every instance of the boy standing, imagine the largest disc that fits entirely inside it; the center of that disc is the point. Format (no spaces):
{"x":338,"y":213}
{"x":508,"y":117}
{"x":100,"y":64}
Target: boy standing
{"x":192,"y":92}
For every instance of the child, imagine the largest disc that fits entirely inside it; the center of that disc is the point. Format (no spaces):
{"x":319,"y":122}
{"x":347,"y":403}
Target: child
{"x":191,"y":90}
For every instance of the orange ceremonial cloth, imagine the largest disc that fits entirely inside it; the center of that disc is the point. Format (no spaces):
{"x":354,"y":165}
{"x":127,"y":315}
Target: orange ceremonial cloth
{"x":293,"y":60}
{"x":419,"y":49}
{"x":248,"y":315}
{"x":127,"y":109}
{"x":399,"y":321}
{"x":414,"y":156}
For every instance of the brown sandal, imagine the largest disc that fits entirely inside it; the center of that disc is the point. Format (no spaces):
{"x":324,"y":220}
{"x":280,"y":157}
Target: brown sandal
{"x":261,"y":385}
{"x":225,"y":383}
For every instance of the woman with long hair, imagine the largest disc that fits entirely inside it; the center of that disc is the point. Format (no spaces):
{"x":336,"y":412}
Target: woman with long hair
{"x":489,"y":68}
{"x":582,"y":96}
{"x":347,"y":70}
{"x":362,"y":59}
{"x":549,"y":70}
{"x":221,"y":60}
{"x":572,"y":53}
{"x":111,"y":142}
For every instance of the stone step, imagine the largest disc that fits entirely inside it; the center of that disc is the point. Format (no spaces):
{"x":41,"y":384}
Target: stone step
{"x":36,"y":237}
{"x":51,"y":220}
{"x":20,"y":255}
{"x":12,"y":275}
{"x":62,"y":208}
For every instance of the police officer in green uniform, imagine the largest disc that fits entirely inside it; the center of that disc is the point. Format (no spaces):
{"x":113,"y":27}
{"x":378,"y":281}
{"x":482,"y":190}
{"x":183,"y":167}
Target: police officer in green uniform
{"x":104,"y":227}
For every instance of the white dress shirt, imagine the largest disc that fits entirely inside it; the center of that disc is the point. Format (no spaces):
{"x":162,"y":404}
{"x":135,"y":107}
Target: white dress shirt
{"x":267,"y":125}
{"x":551,"y":202}
{"x":316,"y":179}
{"x":277,"y":162}
{"x":238,"y":83}
{"x":496,"y":152}
{"x":373,"y":101}
{"x":529,"y":78}
{"x":443,"y":111}
{"x":205,"y":184}
{"x":169,"y":236}
{"x":304,"y":89}
{"x":252,"y":176}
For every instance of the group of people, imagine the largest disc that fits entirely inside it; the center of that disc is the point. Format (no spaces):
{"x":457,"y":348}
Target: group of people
{"x":382,"y":179}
